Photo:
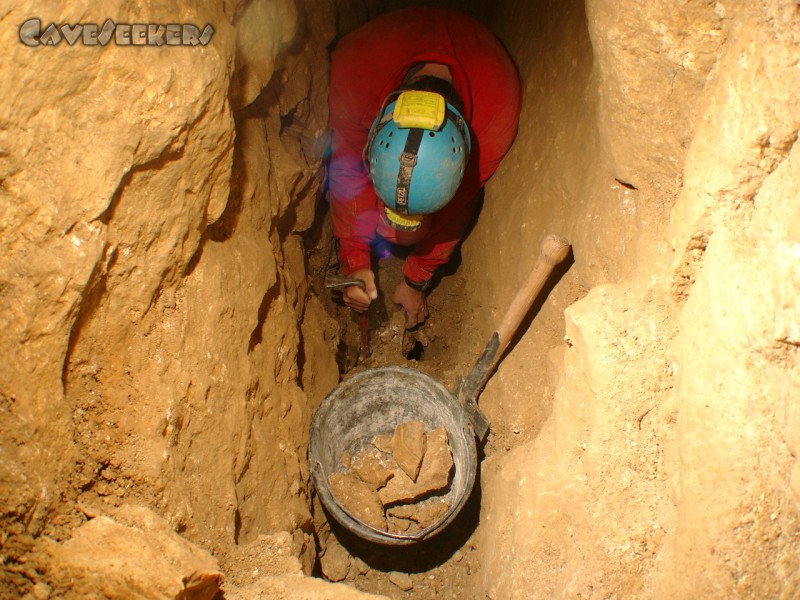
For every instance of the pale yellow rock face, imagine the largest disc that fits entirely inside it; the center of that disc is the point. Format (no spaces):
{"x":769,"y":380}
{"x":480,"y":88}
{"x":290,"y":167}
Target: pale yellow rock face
{"x":667,"y":466}
{"x":135,"y":554}
{"x":117,"y":161}
{"x":157,"y":317}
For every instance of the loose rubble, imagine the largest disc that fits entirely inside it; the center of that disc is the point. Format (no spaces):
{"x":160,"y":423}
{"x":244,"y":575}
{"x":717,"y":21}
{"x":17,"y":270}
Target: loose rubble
{"x":398,"y":483}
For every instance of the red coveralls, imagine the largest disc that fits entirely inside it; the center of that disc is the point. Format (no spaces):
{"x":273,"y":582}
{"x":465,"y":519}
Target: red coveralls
{"x":367,"y":65}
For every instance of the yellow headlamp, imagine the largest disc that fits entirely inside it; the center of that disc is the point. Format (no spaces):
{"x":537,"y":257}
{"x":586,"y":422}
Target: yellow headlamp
{"x":423,"y":110}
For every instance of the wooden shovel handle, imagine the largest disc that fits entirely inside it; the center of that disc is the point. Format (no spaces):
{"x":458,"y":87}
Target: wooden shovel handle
{"x":554,"y":249}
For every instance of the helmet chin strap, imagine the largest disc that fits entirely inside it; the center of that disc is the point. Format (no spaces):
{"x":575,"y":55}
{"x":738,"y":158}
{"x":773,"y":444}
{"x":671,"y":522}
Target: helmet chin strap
{"x":408,"y":160}
{"x":402,"y":222}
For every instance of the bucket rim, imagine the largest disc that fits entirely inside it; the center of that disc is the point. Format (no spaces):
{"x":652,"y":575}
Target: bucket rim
{"x":344,"y":516}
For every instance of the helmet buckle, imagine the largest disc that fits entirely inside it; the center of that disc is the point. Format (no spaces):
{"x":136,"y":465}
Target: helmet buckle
{"x":408,"y":159}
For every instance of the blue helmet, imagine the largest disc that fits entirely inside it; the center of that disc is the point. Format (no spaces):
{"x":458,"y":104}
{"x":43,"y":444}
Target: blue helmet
{"x":416,"y":153}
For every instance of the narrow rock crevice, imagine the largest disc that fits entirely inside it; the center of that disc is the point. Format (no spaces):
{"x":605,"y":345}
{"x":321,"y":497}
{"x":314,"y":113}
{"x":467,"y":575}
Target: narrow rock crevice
{"x":169,"y":335}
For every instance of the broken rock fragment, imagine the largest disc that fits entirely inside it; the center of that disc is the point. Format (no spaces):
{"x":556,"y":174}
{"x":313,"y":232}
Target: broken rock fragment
{"x":402,"y":580}
{"x":371,"y":467}
{"x":408,"y":447}
{"x":383,"y":442}
{"x":335,"y":561}
{"x":359,"y":498}
{"x":379,"y":486}
{"x":434,"y":473}
{"x":423,"y":513}
{"x":398,"y":525}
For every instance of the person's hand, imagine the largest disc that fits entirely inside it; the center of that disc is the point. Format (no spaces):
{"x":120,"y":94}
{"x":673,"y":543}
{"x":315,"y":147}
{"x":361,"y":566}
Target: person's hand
{"x":356,"y":298}
{"x":413,"y":302}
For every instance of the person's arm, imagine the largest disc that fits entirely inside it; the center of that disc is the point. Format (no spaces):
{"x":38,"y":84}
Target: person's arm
{"x":449,"y":226}
{"x":491,"y":142}
{"x":352,"y":205}
{"x":435,"y":250}
{"x":352,"y":199}
{"x":451,"y":222}
{"x":350,"y":192}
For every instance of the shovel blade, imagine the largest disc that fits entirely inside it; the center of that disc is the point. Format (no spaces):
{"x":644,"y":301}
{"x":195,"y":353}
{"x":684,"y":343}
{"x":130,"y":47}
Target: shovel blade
{"x":480,"y":424}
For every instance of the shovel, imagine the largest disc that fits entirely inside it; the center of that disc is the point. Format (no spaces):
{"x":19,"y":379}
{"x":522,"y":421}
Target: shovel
{"x":554,"y":250}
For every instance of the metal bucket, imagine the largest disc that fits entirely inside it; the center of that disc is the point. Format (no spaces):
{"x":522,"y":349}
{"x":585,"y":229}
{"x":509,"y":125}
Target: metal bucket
{"x":374,"y":402}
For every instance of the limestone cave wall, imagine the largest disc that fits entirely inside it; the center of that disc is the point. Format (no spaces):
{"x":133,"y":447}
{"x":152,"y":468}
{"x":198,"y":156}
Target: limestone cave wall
{"x":162,"y":348}
{"x":661,"y":140}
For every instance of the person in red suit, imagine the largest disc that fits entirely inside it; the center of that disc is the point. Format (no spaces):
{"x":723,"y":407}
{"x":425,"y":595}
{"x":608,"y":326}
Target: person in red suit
{"x":424,"y":104}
